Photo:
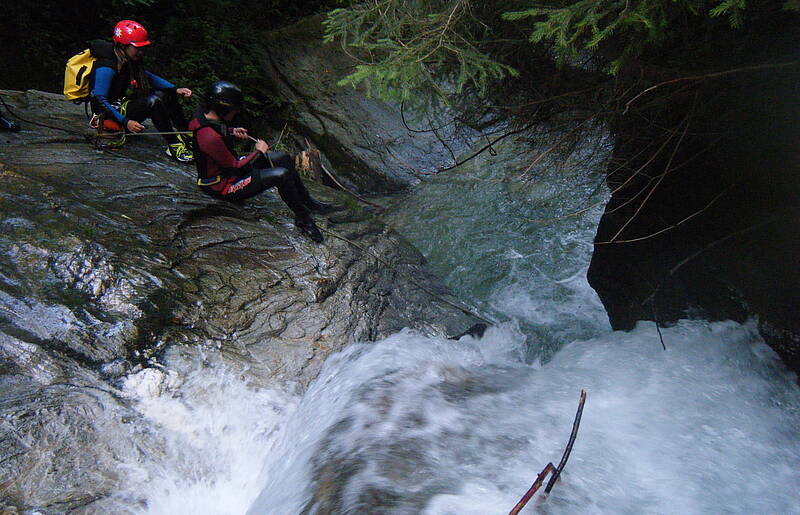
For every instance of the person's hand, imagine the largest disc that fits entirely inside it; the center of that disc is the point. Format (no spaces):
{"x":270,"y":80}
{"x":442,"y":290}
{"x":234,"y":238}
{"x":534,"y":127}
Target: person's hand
{"x":262,"y":146}
{"x":239,"y":132}
{"x":134,"y":126}
{"x":184,"y":92}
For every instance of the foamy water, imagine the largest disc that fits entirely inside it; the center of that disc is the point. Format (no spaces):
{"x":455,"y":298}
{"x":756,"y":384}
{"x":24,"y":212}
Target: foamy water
{"x":219,"y":431}
{"x":433,"y":426}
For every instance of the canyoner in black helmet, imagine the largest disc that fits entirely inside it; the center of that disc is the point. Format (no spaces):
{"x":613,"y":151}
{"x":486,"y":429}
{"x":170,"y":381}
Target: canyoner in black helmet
{"x":125,"y":93}
{"x":223,"y":175}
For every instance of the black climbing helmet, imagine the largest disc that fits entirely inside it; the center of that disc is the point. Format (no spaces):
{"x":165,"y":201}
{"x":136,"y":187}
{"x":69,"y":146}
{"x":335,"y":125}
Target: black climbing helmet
{"x":223,"y":97}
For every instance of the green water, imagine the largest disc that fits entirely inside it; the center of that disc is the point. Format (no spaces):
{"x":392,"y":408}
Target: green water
{"x":514,"y":239}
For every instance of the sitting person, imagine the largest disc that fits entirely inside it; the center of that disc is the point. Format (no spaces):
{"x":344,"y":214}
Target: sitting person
{"x":125,"y":92}
{"x":223,"y":175}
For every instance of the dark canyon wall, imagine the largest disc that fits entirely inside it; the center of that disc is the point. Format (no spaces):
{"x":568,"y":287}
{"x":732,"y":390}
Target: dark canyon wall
{"x":712,"y":228}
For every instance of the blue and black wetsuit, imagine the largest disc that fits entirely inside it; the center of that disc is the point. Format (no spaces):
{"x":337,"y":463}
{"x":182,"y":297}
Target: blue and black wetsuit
{"x":159,"y":102}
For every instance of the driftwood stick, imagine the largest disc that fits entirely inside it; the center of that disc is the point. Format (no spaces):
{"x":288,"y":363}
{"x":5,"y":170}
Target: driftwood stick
{"x":341,"y":186}
{"x":568,"y":450}
{"x":532,"y":490}
{"x":550,"y":467}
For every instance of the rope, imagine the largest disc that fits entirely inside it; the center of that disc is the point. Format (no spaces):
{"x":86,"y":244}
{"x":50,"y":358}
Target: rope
{"x":83,"y":134}
{"x":351,"y":193}
{"x":413,"y":281}
{"x":346,"y":190}
{"x":20,"y":118}
{"x":329,"y":174}
{"x":118,"y":134}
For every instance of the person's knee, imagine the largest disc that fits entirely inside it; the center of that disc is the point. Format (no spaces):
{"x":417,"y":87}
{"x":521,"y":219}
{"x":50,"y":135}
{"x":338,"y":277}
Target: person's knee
{"x":282,"y":159}
{"x":280,"y":172}
{"x":155,"y":100}
{"x":160,"y":99}
{"x":276,"y":175}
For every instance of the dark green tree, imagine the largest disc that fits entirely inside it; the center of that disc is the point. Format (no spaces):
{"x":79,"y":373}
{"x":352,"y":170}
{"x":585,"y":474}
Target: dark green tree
{"x":410,"y":49}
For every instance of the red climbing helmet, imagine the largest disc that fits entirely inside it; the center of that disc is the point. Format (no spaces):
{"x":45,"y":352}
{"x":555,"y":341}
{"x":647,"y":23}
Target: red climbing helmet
{"x":129,"y":32}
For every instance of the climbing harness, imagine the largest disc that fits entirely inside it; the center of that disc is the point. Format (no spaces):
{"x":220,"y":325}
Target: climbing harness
{"x":209,"y":181}
{"x":108,"y":128}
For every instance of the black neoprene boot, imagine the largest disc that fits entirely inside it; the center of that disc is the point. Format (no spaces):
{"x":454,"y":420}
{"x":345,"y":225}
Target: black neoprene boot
{"x":307,"y":226}
{"x":321,"y":208}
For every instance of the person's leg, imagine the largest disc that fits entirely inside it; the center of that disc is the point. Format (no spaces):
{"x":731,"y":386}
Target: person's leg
{"x":284,"y":160}
{"x":260,"y":179}
{"x":137,"y":109}
{"x":152,"y":106}
{"x":174,"y":110}
{"x":156,"y":107}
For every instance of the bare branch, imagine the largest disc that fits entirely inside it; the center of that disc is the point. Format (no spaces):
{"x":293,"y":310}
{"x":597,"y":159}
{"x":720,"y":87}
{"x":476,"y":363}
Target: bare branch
{"x":708,"y":76}
{"x":549,"y":467}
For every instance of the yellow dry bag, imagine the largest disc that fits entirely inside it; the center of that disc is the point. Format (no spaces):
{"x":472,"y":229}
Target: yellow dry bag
{"x":76,"y":75}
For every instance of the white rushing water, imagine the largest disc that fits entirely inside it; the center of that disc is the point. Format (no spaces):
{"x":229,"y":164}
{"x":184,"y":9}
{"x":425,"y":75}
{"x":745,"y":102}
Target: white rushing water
{"x":418,"y":425}
{"x":218,"y":432}
{"x":439,"y":427}
{"x":412,"y":424}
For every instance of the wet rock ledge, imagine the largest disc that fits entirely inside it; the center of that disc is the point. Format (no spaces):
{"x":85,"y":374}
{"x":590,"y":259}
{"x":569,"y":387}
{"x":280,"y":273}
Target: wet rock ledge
{"x":112,"y":263}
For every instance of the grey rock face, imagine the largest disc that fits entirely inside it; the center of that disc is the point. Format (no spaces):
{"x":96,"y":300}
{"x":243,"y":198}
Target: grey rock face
{"x":363,"y":138}
{"x":113,"y":260}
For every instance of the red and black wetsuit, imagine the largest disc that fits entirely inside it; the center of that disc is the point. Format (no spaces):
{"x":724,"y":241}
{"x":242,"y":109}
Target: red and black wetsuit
{"x":224,"y":176}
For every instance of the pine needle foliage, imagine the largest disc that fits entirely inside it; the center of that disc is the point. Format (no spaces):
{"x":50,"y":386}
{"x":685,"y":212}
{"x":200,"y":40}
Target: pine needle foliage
{"x":410,"y":46}
{"x":412,"y":49}
{"x":572,"y":27}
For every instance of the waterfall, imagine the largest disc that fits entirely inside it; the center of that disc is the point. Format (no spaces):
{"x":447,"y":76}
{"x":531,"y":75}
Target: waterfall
{"x":413,"y":424}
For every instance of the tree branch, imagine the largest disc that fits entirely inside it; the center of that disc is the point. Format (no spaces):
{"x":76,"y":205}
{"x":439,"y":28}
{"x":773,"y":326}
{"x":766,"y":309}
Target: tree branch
{"x":708,"y":76}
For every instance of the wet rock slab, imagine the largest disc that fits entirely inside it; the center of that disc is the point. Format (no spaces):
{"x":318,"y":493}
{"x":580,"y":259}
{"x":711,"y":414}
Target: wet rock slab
{"x":112,"y":262}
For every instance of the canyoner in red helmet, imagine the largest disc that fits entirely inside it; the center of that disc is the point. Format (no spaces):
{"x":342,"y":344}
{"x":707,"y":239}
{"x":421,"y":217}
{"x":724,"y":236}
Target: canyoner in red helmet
{"x":129,"y":32}
{"x":126,"y":93}
{"x":223,"y":175}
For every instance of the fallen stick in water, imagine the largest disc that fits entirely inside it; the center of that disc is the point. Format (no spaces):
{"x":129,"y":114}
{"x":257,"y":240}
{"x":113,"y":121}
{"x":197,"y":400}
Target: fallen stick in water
{"x":575,"y":425}
{"x":550,"y":467}
{"x":532,"y":490}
